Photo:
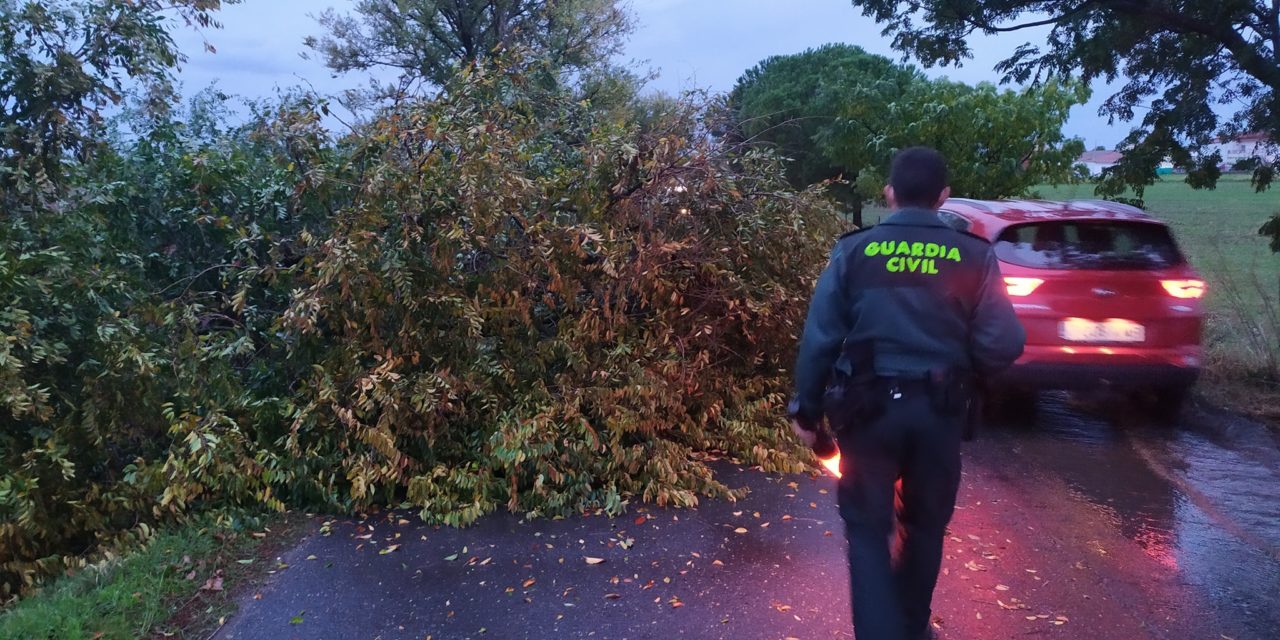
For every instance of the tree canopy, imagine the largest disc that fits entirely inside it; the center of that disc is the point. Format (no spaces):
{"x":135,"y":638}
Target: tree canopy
{"x":1182,"y":64}
{"x":426,"y":40}
{"x":62,"y":62}
{"x":498,"y":295}
{"x":840,"y":112}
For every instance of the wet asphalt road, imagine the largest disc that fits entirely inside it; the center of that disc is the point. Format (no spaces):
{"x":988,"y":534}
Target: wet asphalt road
{"x":1085,"y":524}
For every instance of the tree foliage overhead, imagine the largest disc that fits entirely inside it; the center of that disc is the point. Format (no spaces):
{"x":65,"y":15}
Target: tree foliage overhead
{"x":62,"y":62}
{"x":838,"y":111}
{"x":1182,"y":62}
{"x":427,"y":40}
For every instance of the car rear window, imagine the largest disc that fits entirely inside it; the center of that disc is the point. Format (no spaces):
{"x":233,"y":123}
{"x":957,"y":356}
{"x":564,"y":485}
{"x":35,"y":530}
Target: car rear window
{"x":1089,"y":245}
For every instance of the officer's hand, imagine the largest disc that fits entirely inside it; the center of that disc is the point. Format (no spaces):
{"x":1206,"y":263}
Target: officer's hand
{"x":808,"y":436}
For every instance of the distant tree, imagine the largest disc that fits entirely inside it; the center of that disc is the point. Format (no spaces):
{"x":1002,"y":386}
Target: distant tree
{"x":1247,"y":164}
{"x":62,"y":62}
{"x":1180,"y":59}
{"x":838,"y":112}
{"x":1099,"y":148}
{"x":425,"y":41}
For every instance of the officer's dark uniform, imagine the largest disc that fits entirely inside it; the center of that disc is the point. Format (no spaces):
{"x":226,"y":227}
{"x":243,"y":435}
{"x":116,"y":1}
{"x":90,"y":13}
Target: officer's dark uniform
{"x":925,"y":299}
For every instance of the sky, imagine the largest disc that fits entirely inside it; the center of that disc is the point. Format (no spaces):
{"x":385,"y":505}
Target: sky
{"x":703,"y":44}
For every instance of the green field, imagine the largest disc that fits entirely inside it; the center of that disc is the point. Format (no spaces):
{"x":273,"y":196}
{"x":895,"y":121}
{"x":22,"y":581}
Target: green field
{"x":1218,"y":230}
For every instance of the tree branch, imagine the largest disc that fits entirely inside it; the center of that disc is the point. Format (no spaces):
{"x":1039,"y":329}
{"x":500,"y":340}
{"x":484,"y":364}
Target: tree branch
{"x":991,"y":28}
{"x":1245,"y":55}
{"x":1273,"y":23}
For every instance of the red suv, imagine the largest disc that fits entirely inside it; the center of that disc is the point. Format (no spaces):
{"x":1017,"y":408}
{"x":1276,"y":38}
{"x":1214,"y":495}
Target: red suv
{"x":1106,"y":296}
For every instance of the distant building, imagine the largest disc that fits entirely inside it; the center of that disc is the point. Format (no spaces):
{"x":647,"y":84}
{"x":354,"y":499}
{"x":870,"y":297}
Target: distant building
{"x":1096,"y":161}
{"x":1250,"y":145}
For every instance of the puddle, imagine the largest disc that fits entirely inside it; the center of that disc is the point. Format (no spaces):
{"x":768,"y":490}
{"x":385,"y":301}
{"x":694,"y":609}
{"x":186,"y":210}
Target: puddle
{"x":1199,"y":497}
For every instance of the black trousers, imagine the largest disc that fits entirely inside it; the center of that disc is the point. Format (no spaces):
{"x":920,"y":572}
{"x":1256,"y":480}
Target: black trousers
{"x":900,"y":475}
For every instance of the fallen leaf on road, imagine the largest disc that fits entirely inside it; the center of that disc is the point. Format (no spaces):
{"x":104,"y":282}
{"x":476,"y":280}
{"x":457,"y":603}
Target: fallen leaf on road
{"x":390,"y":549}
{"x":451,"y":558}
{"x":717,"y":563}
{"x":640,"y":520}
{"x":1001,"y":587}
{"x":528,"y":583}
{"x":785,"y":518}
{"x":311,"y":557}
{"x":212,"y":584}
{"x":591,"y":560}
{"x":740,"y":530}
{"x":297,"y":619}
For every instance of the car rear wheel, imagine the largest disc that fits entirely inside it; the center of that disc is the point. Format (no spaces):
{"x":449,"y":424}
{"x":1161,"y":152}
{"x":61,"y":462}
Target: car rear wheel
{"x":1165,"y":404}
{"x":1011,"y":406}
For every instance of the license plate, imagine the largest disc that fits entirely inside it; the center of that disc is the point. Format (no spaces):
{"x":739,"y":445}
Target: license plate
{"x":1113,"y":330}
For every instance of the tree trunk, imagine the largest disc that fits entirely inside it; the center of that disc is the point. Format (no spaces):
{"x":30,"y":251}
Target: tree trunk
{"x":855,"y":213}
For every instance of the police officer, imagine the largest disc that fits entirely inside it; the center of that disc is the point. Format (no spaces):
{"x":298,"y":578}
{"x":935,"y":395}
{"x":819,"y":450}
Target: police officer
{"x":903,"y":318}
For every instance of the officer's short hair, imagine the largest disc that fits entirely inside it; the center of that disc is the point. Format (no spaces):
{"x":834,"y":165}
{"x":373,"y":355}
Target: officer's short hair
{"x":918,"y":176}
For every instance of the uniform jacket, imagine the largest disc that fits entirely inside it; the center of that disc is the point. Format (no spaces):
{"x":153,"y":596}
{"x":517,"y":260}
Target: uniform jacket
{"x":925,"y":294}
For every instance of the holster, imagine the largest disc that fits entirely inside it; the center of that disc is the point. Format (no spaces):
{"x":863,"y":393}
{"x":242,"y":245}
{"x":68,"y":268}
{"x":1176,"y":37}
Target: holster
{"x":857,"y":398}
{"x":953,"y":392}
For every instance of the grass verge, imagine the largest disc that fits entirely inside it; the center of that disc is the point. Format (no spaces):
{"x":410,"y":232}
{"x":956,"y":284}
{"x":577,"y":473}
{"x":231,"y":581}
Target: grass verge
{"x":179,"y":585}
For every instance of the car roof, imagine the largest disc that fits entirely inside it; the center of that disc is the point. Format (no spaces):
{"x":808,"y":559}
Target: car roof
{"x":993,"y":216}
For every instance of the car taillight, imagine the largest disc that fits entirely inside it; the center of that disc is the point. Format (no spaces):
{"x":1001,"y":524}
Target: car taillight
{"x":1020,"y":287}
{"x":1184,"y":289}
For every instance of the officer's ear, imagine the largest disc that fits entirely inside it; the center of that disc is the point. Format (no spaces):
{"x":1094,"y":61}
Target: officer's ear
{"x":889,"y":197}
{"x":942,"y":197}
